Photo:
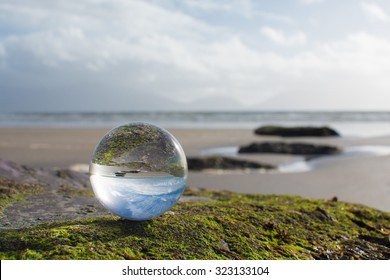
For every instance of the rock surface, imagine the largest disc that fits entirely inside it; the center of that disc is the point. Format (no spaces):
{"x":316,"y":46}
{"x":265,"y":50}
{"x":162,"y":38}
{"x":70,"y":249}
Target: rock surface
{"x":52,"y":214}
{"x":32,"y":196}
{"x":219,"y":162}
{"x":289,"y":148}
{"x":305,"y":131}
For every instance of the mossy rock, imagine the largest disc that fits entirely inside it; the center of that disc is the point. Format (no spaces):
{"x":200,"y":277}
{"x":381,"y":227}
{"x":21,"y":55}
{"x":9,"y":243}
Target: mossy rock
{"x":228,"y":226}
{"x":12,"y":191}
{"x":53,"y":215}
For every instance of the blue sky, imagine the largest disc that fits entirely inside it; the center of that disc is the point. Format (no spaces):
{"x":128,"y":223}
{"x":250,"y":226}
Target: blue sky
{"x":104,"y":55}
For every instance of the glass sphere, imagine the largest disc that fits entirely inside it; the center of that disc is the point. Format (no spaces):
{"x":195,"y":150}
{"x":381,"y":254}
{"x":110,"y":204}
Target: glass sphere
{"x":138,"y":171}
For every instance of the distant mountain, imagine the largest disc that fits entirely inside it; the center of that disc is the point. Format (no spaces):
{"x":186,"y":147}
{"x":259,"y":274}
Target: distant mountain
{"x":319,"y":99}
{"x":214,"y":103}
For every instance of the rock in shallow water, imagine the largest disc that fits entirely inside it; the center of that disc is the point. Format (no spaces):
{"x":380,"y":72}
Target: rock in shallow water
{"x":289,"y":148}
{"x":225,"y":163}
{"x":304,"y":131}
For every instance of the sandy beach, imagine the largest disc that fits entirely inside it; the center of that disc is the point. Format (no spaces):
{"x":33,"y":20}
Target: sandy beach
{"x":359,"y":177}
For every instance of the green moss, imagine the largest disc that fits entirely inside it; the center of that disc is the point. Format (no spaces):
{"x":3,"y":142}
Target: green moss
{"x":107,"y":157}
{"x":73,"y":192}
{"x":12,"y":191}
{"x":233,"y":226}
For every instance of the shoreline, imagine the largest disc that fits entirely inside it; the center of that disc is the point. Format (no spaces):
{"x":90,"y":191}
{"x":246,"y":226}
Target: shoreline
{"x":347,"y":123}
{"x":364,"y":180}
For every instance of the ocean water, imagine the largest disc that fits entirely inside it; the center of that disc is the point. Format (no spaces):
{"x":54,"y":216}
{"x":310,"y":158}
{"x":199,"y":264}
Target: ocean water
{"x":347,"y":123}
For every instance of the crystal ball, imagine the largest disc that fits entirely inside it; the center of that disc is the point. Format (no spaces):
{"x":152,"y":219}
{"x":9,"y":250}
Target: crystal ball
{"x":138,"y":171}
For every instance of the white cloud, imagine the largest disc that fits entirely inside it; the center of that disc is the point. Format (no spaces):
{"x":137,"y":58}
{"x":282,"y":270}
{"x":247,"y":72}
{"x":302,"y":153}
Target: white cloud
{"x":3,"y":56}
{"x":276,"y":17}
{"x":125,"y":47}
{"x":211,"y":6}
{"x":373,"y":11}
{"x":280,"y":38}
{"x":341,"y":75}
{"x":245,"y":8}
{"x":309,"y":2}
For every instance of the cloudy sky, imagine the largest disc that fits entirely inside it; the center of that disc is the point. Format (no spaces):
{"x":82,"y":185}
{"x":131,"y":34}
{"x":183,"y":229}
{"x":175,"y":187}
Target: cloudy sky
{"x":104,"y":55}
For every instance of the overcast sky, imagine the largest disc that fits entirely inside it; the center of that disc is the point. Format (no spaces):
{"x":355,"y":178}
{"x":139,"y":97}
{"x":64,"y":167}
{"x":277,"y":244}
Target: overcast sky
{"x":94,"y":55}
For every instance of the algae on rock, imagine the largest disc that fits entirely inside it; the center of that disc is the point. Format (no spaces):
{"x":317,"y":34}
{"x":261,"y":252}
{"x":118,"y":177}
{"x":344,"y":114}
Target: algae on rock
{"x":229,"y":226}
{"x":52,"y":215}
{"x":11,"y":191}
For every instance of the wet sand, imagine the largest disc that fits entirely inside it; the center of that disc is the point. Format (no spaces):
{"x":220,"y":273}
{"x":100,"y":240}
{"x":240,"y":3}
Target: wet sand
{"x":361,"y":179}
